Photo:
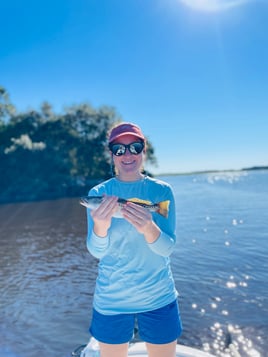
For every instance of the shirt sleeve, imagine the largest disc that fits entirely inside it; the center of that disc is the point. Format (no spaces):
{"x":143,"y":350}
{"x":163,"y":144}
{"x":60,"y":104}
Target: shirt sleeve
{"x":96,"y":245}
{"x":165,"y":243}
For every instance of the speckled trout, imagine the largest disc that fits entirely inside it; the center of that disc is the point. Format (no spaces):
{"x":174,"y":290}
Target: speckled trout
{"x":161,"y":207}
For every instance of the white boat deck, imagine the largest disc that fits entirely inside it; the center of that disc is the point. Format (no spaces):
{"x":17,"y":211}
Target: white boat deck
{"x":139,"y":349}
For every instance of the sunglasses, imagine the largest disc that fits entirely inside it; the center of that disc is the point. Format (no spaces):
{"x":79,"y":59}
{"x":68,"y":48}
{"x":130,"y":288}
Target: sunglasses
{"x":120,"y":149}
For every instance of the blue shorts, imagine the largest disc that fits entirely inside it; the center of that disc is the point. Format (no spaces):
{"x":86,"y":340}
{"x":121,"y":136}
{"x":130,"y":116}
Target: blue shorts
{"x":158,"y":326}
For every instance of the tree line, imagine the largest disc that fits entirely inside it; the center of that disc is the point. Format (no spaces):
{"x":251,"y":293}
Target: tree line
{"x":44,"y":155}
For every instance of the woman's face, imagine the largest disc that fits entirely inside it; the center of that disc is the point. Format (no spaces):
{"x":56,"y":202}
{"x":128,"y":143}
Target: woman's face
{"x":128,"y":165}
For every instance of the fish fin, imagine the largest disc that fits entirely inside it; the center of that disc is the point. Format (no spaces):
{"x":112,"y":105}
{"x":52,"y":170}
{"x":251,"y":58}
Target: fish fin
{"x":138,"y":200}
{"x":163,"y":208}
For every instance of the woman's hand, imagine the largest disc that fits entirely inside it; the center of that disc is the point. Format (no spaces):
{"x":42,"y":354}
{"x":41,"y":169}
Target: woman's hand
{"x":102,"y":215}
{"x":141,"y":218}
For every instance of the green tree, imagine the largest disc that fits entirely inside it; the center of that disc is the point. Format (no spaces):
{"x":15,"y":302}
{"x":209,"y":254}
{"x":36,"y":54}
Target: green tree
{"x":44,"y":155}
{"x":7,"y":109}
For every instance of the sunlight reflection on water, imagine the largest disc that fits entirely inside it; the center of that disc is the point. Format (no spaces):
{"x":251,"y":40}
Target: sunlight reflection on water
{"x":219,"y":264}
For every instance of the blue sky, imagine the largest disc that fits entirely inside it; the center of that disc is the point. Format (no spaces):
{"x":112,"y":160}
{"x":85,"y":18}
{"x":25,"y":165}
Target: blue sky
{"x":192,"y":73}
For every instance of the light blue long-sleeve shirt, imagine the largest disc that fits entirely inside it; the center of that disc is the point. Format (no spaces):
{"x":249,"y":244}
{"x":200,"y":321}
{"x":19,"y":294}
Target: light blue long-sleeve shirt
{"x":134,"y":276}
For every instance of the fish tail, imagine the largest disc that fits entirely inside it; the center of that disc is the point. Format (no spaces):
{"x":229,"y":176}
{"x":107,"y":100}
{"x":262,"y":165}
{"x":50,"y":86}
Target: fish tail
{"x":163,"y":208}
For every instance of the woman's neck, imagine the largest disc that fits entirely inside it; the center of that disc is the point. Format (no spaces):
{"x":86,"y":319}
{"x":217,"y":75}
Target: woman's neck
{"x":130,"y":178}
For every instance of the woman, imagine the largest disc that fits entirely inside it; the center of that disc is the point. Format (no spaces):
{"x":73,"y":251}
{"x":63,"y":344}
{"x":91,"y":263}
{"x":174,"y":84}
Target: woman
{"x":134,"y":283}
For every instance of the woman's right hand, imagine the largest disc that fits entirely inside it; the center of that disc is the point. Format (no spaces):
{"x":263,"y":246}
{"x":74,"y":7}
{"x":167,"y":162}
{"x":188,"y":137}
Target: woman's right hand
{"x":102,"y":215}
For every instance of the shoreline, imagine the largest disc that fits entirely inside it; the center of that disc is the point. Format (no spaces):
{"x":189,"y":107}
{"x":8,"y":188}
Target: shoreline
{"x":253,"y":168}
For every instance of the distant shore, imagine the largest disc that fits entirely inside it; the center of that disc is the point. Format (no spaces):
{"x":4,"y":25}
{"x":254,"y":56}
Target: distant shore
{"x":253,"y":168}
{"x":80,"y":190}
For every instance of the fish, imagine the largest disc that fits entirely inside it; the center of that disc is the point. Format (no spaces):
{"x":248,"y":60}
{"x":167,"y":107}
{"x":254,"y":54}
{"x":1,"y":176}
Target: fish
{"x":161,"y":208}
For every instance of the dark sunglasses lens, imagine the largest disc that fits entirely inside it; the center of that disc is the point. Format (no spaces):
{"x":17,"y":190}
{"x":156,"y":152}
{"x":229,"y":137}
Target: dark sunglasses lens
{"x":136,"y":148}
{"x":118,"y":149}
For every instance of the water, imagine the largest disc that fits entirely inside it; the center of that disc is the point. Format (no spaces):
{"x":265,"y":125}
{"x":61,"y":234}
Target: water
{"x":220,"y":267}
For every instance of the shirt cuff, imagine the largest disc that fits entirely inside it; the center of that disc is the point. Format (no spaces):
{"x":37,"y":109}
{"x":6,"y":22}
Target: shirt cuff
{"x":163,"y":245}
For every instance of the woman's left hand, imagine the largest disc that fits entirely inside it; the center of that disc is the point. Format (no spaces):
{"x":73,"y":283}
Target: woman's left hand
{"x":141,"y":219}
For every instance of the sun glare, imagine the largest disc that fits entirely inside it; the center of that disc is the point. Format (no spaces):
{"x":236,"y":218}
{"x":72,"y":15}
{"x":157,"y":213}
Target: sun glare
{"x":213,"y":5}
